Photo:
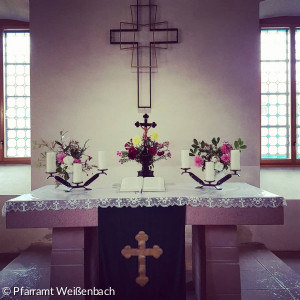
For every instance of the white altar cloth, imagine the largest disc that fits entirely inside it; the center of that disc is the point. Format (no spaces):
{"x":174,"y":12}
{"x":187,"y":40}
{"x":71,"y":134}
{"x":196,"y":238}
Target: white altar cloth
{"x":233,"y":194}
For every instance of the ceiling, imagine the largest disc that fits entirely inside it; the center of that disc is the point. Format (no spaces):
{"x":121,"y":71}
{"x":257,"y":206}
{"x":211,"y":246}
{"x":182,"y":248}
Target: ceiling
{"x":14,"y":9}
{"x":19,"y":9}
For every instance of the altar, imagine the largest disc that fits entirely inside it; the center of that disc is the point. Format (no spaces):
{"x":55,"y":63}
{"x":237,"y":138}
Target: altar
{"x":213,"y":214}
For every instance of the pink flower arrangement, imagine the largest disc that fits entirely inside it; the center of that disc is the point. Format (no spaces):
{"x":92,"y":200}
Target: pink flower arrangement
{"x":220,"y":155}
{"x":67,"y":150}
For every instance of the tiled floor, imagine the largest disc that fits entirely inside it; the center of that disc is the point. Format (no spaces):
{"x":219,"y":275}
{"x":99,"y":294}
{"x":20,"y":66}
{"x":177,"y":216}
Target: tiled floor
{"x":291,"y":258}
{"x":263,"y":275}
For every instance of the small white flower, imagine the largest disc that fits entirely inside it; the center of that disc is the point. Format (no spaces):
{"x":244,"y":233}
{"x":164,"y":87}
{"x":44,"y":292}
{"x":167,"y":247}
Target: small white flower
{"x":214,"y":159}
{"x":219,"y":166}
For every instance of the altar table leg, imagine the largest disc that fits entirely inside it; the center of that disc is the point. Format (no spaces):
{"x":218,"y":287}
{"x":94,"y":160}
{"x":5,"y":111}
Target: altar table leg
{"x":67,"y":260}
{"x":215,"y":254}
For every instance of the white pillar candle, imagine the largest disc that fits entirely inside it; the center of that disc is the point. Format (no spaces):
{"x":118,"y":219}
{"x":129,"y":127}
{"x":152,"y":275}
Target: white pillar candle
{"x":68,"y":161}
{"x":50,"y":162}
{"x":185,"y":159}
{"x":209,"y":171}
{"x":235,"y":156}
{"x":102,"y":162}
{"x":77,"y":173}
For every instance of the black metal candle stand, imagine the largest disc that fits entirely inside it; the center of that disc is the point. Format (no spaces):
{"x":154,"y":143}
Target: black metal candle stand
{"x":214,"y":184}
{"x":50,"y":174}
{"x":78,"y":185}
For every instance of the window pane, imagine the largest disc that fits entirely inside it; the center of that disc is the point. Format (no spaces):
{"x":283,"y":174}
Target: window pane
{"x":297,"y":46}
{"x":275,"y":94}
{"x":16,"y":68}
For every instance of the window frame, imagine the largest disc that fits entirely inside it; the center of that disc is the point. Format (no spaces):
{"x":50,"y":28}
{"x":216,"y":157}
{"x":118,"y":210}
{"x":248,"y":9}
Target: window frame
{"x":7,"y":25}
{"x":292,"y":23}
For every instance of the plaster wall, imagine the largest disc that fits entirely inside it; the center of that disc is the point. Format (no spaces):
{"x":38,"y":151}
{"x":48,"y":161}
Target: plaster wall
{"x":205,"y":86}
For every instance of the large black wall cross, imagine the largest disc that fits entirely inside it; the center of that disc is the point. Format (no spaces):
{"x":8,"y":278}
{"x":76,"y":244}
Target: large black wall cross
{"x":143,"y":35}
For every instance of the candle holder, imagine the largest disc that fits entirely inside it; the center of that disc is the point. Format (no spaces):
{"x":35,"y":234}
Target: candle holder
{"x":216,"y":185}
{"x":78,"y":185}
{"x":51,"y":174}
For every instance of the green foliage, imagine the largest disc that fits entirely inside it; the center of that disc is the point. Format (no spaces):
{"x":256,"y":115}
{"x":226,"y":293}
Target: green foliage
{"x":239,"y":144}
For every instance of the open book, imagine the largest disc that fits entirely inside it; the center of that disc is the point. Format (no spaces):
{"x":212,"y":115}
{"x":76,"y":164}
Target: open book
{"x":142,"y":184}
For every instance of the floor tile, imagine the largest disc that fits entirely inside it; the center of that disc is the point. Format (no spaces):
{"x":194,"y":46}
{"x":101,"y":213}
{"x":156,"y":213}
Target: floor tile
{"x":295,"y":293}
{"x":258,"y":280}
{"x":267,"y":295}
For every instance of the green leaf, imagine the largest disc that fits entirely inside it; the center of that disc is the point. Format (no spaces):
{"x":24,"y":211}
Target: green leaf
{"x":236,"y":144}
{"x":243,"y":147}
{"x":196,"y":142}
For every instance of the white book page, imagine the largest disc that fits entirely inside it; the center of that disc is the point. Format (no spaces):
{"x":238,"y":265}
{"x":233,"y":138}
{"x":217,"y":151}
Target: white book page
{"x":154,"y":184}
{"x":131,"y":184}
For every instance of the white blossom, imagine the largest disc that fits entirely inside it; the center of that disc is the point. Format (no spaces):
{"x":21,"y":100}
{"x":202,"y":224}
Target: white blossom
{"x":219,"y":166}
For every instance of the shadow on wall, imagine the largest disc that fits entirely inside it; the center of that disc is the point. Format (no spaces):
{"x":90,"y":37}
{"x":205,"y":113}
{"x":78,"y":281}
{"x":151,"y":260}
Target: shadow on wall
{"x":15,"y":240}
{"x":276,"y":237}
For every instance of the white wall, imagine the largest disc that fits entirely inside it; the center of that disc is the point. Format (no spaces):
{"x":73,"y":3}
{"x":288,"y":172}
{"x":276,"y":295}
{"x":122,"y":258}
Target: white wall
{"x":206,"y":85}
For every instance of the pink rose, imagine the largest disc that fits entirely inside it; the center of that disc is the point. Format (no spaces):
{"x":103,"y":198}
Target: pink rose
{"x":77,"y":161}
{"x":198,"y":161}
{"x":225,"y":158}
{"x":60,"y":157}
{"x":225,"y":148}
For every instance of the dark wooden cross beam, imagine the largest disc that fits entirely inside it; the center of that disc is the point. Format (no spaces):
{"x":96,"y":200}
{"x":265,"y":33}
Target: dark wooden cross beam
{"x":143,"y":35}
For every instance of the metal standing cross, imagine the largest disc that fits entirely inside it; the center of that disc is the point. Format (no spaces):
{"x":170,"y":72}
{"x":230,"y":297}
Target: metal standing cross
{"x":143,"y":35}
{"x":141,"y":252}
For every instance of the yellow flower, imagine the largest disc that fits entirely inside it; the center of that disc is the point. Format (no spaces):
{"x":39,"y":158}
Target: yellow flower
{"x":154,"y":136}
{"x":137,"y":141}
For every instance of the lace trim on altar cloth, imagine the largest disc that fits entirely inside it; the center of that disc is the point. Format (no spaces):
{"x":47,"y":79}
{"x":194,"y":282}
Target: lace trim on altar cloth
{"x":39,"y":205}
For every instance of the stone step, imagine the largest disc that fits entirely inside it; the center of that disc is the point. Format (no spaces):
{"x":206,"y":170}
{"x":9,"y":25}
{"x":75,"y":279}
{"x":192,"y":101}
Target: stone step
{"x":31,"y":269}
{"x":264,"y":276}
